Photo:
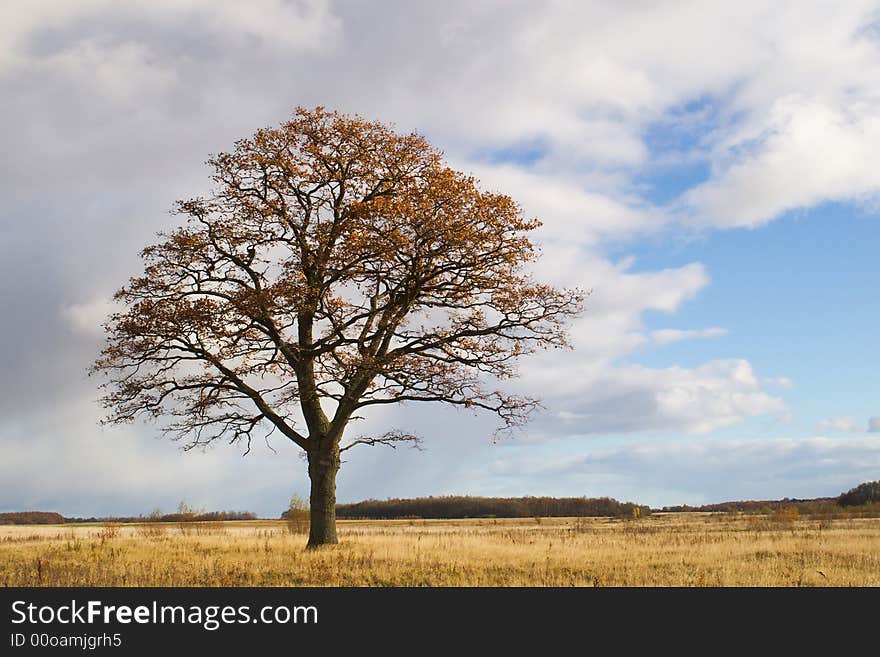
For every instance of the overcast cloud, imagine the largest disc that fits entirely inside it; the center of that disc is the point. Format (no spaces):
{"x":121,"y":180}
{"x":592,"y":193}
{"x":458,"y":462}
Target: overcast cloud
{"x":110,"y":110}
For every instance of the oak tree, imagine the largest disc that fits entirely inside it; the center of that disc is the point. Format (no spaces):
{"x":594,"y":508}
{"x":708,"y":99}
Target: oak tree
{"x":335,"y":265}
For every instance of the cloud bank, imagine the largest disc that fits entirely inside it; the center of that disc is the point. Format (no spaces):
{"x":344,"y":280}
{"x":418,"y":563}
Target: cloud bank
{"x":573,"y":109}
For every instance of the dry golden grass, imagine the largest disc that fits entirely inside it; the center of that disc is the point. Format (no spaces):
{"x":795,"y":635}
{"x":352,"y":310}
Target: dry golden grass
{"x":662,"y":550}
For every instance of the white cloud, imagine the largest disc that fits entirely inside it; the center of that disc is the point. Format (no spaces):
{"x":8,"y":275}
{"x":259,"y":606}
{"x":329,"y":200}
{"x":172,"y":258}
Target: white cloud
{"x":121,"y":73}
{"x":618,"y":290}
{"x":587,"y":400}
{"x":692,"y":471}
{"x":837,"y":424}
{"x":790,"y":89}
{"x":808,"y":152}
{"x":88,"y":318}
{"x":588,"y":391}
{"x":303,"y":24}
{"x":667,"y":336}
{"x":85,"y":470}
{"x":780,"y":381}
{"x":572,"y":213}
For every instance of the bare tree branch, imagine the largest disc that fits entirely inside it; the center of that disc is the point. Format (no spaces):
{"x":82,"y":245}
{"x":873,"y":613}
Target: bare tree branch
{"x":390,"y":439}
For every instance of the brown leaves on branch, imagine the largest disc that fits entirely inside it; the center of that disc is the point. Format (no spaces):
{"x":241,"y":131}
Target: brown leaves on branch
{"x":335,"y":265}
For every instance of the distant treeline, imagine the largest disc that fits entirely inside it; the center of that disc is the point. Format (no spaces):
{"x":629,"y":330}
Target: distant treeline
{"x":489,"y":507}
{"x":864,"y":499}
{"x":828,"y":507}
{"x":47,"y":518}
{"x":209,"y":516}
{"x":31,"y":518}
{"x":866,"y":493}
{"x":756,"y":506}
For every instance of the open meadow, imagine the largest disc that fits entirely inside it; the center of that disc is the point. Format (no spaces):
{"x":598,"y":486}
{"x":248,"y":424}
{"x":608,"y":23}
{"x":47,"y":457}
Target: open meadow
{"x":660,"y":550}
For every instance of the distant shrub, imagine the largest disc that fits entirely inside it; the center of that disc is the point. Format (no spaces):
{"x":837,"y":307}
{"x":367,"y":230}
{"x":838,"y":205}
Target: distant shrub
{"x":581,"y":526}
{"x":865,"y":493}
{"x":786,"y":515}
{"x":109,"y":531}
{"x":151,"y":530}
{"x":297,"y":515}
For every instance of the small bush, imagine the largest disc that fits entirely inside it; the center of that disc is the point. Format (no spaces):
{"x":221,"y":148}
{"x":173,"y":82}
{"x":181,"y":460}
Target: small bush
{"x":151,"y":530}
{"x":786,"y":515}
{"x":581,"y":526}
{"x":297,"y":515}
{"x":109,"y":531}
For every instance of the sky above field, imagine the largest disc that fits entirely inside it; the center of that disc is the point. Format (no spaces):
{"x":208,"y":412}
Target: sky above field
{"x":709,"y":170}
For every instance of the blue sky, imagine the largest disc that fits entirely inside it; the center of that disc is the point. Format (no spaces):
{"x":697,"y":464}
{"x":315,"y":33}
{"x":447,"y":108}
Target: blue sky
{"x":796,"y":299}
{"x":709,"y":170}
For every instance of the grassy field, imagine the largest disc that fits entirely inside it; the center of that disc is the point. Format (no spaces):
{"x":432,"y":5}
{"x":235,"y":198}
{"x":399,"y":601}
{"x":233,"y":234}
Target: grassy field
{"x":660,"y":550}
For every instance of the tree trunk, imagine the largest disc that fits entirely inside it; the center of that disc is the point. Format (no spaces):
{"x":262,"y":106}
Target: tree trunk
{"x":322,"y":500}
